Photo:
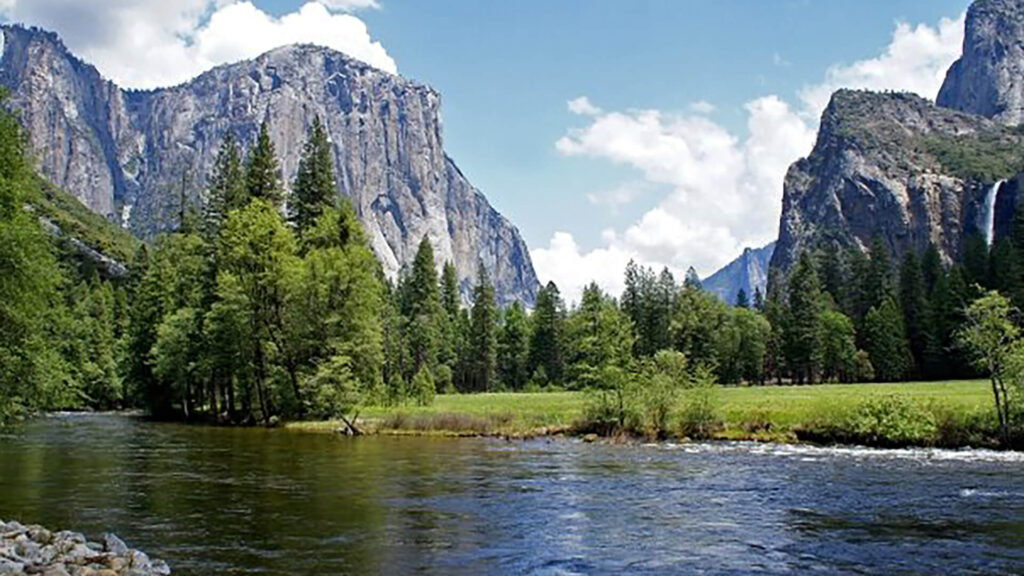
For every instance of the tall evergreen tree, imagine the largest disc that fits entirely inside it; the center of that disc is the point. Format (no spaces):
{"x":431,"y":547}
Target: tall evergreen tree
{"x":802,"y":325}
{"x":975,"y":261}
{"x":914,"y":305}
{"x":692,"y":280}
{"x":887,"y":341}
{"x":226,"y":189}
{"x":830,"y":272}
{"x":758,"y":299}
{"x":314,"y":188}
{"x":514,"y":347}
{"x":547,"y":357}
{"x":598,"y":337}
{"x":261,"y":170}
{"x":879,"y":278}
{"x":483,"y":333}
{"x":741,"y":299}
{"x":422,"y":310}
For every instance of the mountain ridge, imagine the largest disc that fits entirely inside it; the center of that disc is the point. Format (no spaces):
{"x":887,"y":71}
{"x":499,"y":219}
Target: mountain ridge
{"x":130,"y":154}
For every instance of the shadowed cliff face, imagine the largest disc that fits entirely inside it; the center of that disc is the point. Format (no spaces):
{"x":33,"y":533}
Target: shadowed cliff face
{"x":129,"y":155}
{"x":898,"y":167}
{"x":988,"y":79}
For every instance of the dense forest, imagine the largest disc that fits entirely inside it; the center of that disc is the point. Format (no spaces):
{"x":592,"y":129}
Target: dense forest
{"x":255,"y":309}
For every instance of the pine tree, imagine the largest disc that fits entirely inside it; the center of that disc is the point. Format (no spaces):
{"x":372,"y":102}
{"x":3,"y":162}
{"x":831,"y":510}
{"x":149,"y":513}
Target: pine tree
{"x":802,"y":325}
{"x":1005,"y":271}
{"x":879,"y":279}
{"x":422,"y":310}
{"x":830,"y":272}
{"x":692,"y":280}
{"x":758,"y":299}
{"x":448,"y":353}
{"x":741,"y":299}
{"x":931,"y":268}
{"x":887,"y":341}
{"x":598,"y":338}
{"x":975,"y":261}
{"x":314,"y":188}
{"x":483,"y":333}
{"x":226,"y":189}
{"x":513,"y":348}
{"x":546,"y":340}
{"x":914,"y":305}
{"x":261,"y":170}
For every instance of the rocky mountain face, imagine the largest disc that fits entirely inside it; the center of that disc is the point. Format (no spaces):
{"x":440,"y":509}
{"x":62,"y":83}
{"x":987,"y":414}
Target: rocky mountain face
{"x":988,"y":80}
{"x":749,"y":272}
{"x":898,"y":167}
{"x":131,"y":155}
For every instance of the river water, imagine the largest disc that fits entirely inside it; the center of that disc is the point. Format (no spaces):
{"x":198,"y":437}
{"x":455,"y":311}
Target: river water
{"x":251,"y":501}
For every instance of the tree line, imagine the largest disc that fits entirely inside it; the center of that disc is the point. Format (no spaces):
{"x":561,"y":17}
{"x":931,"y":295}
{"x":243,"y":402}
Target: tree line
{"x":256,"y":308}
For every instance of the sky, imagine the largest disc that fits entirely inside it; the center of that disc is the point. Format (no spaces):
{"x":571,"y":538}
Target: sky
{"x":606,"y":130}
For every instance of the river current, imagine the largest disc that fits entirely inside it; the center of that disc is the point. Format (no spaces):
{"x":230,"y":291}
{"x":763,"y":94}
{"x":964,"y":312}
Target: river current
{"x":252,"y":501}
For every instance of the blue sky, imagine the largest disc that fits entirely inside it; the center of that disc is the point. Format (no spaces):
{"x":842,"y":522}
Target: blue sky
{"x":642,"y":172}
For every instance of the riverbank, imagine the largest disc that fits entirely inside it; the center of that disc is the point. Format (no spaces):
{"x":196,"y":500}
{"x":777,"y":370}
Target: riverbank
{"x":36,"y":550}
{"x":951,"y":414}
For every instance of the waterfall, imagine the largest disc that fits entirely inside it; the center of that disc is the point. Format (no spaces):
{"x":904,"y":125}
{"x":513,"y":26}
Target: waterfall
{"x":988,"y":216}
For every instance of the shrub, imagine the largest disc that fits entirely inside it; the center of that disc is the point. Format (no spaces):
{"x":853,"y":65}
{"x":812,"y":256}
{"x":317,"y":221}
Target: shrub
{"x":423,"y":387}
{"x":894,"y":421}
{"x":699,"y":416}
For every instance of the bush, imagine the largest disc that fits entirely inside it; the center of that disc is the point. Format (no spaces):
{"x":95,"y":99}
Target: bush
{"x":608,"y":408}
{"x":699,"y":417}
{"x":423,"y":387}
{"x":332,"y":390}
{"x":894,"y":421}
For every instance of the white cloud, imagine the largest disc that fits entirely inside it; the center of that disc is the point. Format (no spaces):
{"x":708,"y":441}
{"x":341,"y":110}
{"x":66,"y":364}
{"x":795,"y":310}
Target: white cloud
{"x":618,"y":196}
{"x":583,"y":107}
{"x":725,"y":190}
{"x":152,"y":43}
{"x":351,"y":5}
{"x":915,"y":60}
{"x":563,"y":262}
{"x":702,"y":107}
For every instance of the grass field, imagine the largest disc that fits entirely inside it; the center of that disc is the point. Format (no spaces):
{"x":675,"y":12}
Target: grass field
{"x":784,"y":408}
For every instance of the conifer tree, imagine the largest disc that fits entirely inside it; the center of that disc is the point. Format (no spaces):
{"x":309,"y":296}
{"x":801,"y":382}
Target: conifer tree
{"x":421,"y":306}
{"x":261,"y":170}
{"x":483,"y":333}
{"x":758,"y":299}
{"x":914,"y":305}
{"x":314,"y":188}
{"x":226,"y":189}
{"x":887,"y":342}
{"x":513,"y":347}
{"x":692,"y":280}
{"x":547,"y":337}
{"x":741,"y":299}
{"x":802,"y":325}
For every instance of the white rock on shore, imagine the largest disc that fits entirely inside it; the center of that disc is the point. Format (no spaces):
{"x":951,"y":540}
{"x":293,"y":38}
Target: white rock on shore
{"x":36,"y":550}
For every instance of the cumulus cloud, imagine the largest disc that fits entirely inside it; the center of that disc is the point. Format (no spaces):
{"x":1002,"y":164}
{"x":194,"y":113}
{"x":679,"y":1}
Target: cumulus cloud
{"x":583,"y":107}
{"x":153,"y":43}
{"x":725,"y":190}
{"x":702,"y":107}
{"x":618,"y":196}
{"x":916,"y":60}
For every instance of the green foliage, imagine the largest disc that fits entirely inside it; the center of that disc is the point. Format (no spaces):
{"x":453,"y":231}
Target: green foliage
{"x":601,"y":337}
{"x":261,"y":170}
{"x":423,"y":387}
{"x":314,"y":187}
{"x":421,"y":308}
{"x":802,"y":330}
{"x":987,"y":156}
{"x":513,"y":347}
{"x":547,"y":352}
{"x":838,"y":348}
{"x":226,"y":189}
{"x":741,"y":346}
{"x":699,"y":416}
{"x":333,"y":390}
{"x":887,"y":342}
{"x":892,"y":421}
{"x":483,"y":335}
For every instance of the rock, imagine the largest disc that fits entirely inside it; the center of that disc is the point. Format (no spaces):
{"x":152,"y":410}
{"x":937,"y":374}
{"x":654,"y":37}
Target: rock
{"x":749,"y":272}
{"x":114,"y":545}
{"x":124,"y":153}
{"x":891,"y":166}
{"x":988,"y":79}
{"x":70,"y":554}
{"x":590,"y":438}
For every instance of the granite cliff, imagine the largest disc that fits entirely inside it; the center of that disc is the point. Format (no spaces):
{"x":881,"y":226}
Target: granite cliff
{"x":129,"y":155}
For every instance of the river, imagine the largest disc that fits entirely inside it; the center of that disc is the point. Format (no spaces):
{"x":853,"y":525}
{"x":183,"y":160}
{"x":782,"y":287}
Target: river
{"x":252,"y":501}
